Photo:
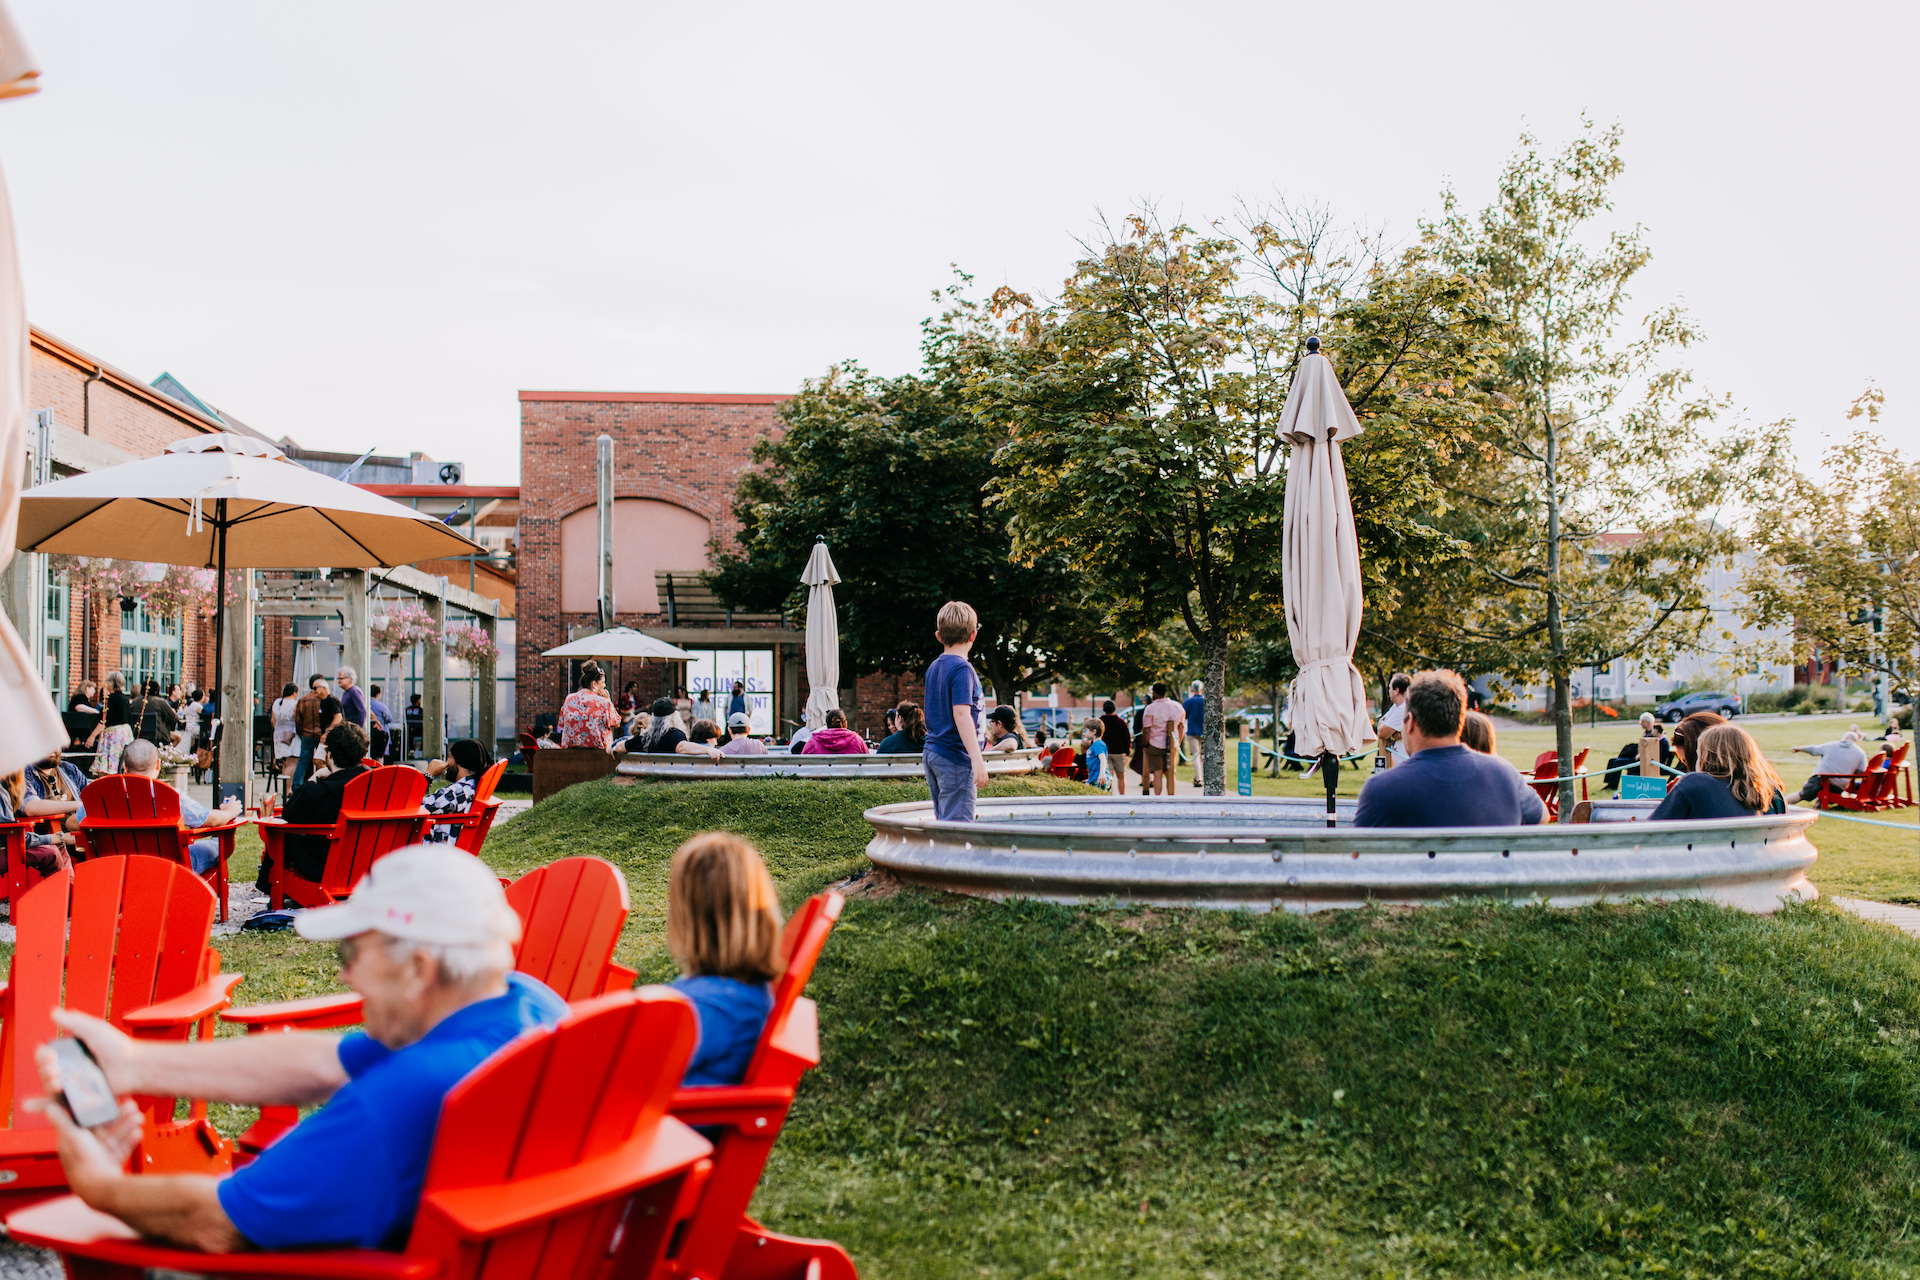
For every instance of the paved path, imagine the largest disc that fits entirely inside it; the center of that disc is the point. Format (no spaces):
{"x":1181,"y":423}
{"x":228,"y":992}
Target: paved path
{"x":1906,"y":919}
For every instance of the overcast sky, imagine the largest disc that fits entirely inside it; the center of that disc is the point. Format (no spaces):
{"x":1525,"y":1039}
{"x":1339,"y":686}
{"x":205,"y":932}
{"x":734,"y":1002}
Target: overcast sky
{"x":371,"y":224}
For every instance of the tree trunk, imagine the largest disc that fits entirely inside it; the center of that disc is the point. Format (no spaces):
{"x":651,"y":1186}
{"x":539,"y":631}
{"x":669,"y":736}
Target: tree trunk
{"x":1213,"y":749}
{"x":1563,"y":740}
{"x":1273,"y":705}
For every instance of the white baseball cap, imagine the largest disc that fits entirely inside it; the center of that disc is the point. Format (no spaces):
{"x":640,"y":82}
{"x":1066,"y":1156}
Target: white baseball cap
{"x":423,"y":893}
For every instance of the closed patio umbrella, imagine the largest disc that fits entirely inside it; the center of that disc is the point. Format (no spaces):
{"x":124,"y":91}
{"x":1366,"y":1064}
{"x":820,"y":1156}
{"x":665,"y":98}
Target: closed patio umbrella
{"x":1321,"y":571}
{"x":222,"y":501}
{"x":823,"y":636}
{"x":33,"y":723}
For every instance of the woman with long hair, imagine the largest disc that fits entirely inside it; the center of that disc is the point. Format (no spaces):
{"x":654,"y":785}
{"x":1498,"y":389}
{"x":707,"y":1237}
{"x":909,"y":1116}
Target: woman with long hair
{"x":115,"y":729}
{"x":286,"y":737}
{"x":1730,"y":779}
{"x":910,"y":738}
{"x":1686,"y":738}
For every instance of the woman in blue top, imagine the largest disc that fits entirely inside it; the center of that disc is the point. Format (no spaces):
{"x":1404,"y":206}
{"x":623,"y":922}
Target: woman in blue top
{"x":723,"y":930}
{"x":1730,"y":779}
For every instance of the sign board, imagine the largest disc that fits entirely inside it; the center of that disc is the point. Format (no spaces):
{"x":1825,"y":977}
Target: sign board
{"x":1246,"y":768}
{"x":1637,"y":788}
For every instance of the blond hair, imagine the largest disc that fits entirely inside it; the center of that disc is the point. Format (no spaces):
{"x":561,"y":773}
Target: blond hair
{"x":1477,"y":732}
{"x":723,"y":916}
{"x":1729,"y":753}
{"x":956,"y":623}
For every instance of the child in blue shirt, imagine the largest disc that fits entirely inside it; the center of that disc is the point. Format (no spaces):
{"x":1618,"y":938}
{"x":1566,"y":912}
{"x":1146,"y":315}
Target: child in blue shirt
{"x":723,"y":930}
{"x":1096,"y":753}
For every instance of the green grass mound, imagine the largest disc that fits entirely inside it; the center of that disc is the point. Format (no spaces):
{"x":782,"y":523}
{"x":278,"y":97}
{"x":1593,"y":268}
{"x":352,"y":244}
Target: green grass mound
{"x":1021,"y":1089}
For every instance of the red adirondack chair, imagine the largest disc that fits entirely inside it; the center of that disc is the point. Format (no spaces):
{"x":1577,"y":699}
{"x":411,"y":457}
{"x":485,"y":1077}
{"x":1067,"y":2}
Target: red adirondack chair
{"x":128,"y":814}
{"x":20,"y":877}
{"x":1546,"y":778}
{"x":1868,"y":791}
{"x":571,"y":913}
{"x":1900,"y":791}
{"x":556,"y":1158}
{"x":133,"y":950}
{"x":379,"y":812}
{"x":478,"y":819}
{"x":721,"y":1240}
{"x":1060,"y":764}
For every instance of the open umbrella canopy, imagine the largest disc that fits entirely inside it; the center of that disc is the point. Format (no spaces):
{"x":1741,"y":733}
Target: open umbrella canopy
{"x":276,"y":513}
{"x":823,"y":636}
{"x":619,"y":642}
{"x":1321,"y":565}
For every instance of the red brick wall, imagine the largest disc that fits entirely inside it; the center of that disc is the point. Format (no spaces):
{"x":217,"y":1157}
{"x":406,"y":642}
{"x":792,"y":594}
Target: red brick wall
{"x":689,"y":450}
{"x":143,"y":423}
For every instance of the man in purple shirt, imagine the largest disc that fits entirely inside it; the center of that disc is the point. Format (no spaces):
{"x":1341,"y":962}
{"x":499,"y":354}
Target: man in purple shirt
{"x":353,"y":703}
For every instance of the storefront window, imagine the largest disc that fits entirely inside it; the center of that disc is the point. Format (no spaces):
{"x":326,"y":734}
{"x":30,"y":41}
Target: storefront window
{"x":718,"y":670}
{"x":149,"y":647}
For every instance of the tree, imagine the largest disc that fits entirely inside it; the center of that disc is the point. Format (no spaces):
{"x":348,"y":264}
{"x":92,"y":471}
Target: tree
{"x":1143,"y":404}
{"x":1839,"y":561}
{"x":1597,"y":502}
{"x":894,"y":473}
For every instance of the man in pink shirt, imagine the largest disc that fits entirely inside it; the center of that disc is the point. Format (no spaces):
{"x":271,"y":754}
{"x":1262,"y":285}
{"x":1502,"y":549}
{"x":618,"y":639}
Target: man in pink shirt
{"x":1158,"y":722}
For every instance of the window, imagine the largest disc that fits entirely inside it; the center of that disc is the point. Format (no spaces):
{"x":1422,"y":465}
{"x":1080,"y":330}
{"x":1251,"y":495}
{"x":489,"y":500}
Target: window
{"x":149,"y":647}
{"x":718,"y":670}
{"x":54,"y":660}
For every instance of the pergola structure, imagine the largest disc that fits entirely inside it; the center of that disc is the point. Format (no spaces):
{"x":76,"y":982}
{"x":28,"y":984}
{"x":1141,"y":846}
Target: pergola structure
{"x":348,"y":595}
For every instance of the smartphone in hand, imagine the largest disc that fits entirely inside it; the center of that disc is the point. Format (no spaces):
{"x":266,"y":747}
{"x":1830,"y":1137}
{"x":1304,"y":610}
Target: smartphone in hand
{"x":84,"y":1090}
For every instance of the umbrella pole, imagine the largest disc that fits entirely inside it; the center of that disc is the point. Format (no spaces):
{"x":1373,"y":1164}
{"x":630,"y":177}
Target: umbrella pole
{"x":1329,"y":778}
{"x":219,"y":639}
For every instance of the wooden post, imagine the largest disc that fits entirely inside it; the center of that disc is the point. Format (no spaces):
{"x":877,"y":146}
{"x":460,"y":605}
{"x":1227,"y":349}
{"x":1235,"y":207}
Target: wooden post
{"x":1650,"y":757}
{"x":486,"y":688}
{"x":355,"y":642}
{"x":433,"y":682}
{"x":236,"y":683}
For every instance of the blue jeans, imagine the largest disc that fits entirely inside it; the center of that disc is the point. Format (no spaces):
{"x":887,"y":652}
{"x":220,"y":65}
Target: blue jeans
{"x":305,"y":767}
{"x":952,"y":786}
{"x":204,"y":854}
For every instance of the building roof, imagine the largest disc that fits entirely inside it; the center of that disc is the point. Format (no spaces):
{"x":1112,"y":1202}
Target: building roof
{"x":192,"y":412}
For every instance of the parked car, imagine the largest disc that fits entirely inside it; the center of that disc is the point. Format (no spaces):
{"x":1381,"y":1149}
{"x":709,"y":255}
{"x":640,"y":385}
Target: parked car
{"x":1673,"y":712}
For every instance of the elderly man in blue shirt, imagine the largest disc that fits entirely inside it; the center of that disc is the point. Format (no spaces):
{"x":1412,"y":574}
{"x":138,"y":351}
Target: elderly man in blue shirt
{"x":427,"y":940}
{"x":142,"y":759}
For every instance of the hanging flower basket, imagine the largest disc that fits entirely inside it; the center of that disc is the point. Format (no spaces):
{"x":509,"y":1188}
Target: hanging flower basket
{"x":401,"y":628}
{"x":470,"y":643}
{"x":164,"y":589}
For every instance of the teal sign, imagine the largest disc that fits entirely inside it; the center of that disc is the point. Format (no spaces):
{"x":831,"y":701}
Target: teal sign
{"x":1246,"y":768}
{"x":1633,"y":787}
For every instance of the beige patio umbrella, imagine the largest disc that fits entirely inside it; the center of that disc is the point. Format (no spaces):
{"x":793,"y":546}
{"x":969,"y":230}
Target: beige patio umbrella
{"x":1321,"y":571}
{"x":33,"y":723}
{"x":228,"y":501}
{"x":823,"y":636}
{"x":619,"y":642}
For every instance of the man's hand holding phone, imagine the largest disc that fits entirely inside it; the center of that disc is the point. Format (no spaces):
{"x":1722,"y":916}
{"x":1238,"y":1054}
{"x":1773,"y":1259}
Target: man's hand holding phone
{"x":98,"y":1131}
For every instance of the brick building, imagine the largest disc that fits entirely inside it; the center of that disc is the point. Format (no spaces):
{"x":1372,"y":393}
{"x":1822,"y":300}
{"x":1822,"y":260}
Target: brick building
{"x":101,"y":416}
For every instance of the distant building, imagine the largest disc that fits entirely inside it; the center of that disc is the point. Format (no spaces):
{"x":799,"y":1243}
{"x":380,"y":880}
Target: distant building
{"x":678,"y":459}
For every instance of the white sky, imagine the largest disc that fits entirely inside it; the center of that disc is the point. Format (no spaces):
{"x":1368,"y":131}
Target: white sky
{"x":371,"y":224}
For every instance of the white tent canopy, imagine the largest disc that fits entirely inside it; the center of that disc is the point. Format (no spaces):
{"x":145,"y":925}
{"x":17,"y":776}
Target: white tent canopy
{"x":619,"y":642}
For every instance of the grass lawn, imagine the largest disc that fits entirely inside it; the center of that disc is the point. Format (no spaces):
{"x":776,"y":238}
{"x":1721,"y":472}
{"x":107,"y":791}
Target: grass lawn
{"x":1020,"y":1090}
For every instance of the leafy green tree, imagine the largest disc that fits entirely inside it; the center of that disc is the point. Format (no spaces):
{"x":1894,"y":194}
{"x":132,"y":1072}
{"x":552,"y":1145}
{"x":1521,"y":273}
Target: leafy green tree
{"x":894,"y":473}
{"x":1838,"y":561}
{"x":1599,"y":495}
{"x":1143,"y":405}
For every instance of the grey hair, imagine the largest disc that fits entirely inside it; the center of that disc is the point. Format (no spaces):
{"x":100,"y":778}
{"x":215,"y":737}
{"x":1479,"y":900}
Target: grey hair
{"x":345,"y":673}
{"x":459,"y":964}
{"x":138,"y":756}
{"x":116,"y":681}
